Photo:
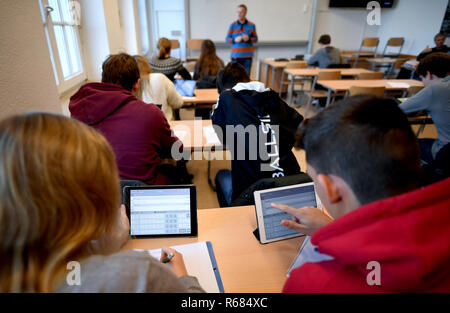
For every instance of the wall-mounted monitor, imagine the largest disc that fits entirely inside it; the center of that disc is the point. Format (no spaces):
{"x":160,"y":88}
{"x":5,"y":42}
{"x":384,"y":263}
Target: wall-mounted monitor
{"x":359,"y":3}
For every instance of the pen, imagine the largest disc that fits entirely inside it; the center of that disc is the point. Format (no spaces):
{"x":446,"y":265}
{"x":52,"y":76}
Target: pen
{"x":168,"y":258}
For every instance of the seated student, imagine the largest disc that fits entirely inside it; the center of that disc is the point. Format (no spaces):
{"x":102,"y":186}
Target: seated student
{"x":326,"y":55}
{"x":164,"y":63}
{"x":439,"y":40}
{"x":434,"y":98}
{"x":138,"y":132}
{"x":61,"y":203}
{"x":257,"y":127}
{"x":207,"y":66}
{"x":364,"y":160}
{"x":158,"y":89}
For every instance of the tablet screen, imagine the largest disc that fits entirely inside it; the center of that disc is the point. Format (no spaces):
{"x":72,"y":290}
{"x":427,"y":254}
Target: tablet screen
{"x":295,"y":196}
{"x":160,"y":211}
{"x":185,"y":87}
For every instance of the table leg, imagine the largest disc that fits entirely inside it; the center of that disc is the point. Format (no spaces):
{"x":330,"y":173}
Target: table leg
{"x":328,"y":98}
{"x":210,"y":181}
{"x":274,"y":71}
{"x":291,"y":90}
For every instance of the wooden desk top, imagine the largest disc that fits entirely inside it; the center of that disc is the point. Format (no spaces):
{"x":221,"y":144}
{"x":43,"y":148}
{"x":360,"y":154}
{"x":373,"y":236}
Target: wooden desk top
{"x":208,"y":96}
{"x":315,"y":71}
{"x":344,"y":85}
{"x":191,"y":133}
{"x":385,"y":60}
{"x":279,"y":64}
{"x":244,"y":264}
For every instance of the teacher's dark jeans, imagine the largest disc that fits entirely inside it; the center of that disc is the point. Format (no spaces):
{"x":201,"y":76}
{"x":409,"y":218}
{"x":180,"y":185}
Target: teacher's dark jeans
{"x":245,"y":62}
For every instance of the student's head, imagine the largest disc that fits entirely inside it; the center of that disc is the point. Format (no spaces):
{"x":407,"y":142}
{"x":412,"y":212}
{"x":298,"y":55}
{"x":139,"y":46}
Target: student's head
{"x":164,"y":46}
{"x":434,"y":67}
{"x":439,"y":40}
{"x":241,"y":11}
{"x":325,"y":40}
{"x":59,"y":191}
{"x":121,"y":69}
{"x":231,"y":75}
{"x":145,"y":70}
{"x":359,"y":151}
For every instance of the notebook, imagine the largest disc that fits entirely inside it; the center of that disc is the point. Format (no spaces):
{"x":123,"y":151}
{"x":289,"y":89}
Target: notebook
{"x":200,"y":262}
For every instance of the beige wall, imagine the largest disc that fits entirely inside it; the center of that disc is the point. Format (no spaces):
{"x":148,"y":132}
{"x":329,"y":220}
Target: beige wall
{"x":27,"y":82}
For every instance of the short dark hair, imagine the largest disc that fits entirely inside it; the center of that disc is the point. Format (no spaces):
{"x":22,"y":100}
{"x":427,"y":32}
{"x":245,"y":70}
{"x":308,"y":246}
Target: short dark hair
{"x":120,"y":69}
{"x":232,"y":74}
{"x":437,"y":63}
{"x":368,"y":142}
{"x":440,"y":35}
{"x":325,"y":39}
{"x":243,"y":6}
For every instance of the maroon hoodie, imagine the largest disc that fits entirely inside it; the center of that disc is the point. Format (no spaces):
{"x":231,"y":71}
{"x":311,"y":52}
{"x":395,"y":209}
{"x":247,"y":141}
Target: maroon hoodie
{"x":137,"y":131}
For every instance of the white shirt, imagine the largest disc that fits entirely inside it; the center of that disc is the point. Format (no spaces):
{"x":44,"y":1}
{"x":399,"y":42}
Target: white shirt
{"x":161,"y":90}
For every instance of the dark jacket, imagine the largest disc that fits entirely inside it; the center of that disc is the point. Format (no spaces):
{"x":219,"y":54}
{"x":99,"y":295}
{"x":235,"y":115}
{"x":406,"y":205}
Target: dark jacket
{"x":262,"y":147}
{"x":137,"y":131}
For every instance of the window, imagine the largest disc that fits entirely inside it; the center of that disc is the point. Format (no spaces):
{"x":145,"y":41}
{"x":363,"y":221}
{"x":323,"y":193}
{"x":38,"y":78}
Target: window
{"x":61,"y":22}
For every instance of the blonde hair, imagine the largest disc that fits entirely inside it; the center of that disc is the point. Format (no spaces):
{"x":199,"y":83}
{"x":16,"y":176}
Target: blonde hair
{"x":59,"y":192}
{"x":164,"y":47}
{"x":145,"y":70}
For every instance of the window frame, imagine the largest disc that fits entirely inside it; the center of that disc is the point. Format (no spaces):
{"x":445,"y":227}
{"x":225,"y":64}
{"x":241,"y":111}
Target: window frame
{"x":63,"y":84}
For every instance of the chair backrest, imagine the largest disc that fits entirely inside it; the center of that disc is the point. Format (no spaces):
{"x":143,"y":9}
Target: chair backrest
{"x":413,"y":90}
{"x":174,"y":44}
{"x":395,"y":42}
{"x":370,"y":42}
{"x":373,"y":75}
{"x":358,"y":90}
{"x":329,"y":75}
{"x":296,"y":64}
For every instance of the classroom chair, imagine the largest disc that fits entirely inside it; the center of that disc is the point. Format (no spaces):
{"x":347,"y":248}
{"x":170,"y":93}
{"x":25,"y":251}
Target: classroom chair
{"x":175,"y":44}
{"x":193,"y":45}
{"x":284,"y":81}
{"x":396,"y":43}
{"x":374,"y":75}
{"x":358,"y":90}
{"x":317,"y":92}
{"x":369,"y":42}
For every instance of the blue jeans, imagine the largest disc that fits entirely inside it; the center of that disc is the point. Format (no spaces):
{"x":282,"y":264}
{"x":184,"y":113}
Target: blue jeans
{"x":245,"y":62}
{"x":224,"y":188}
{"x":425,"y":145}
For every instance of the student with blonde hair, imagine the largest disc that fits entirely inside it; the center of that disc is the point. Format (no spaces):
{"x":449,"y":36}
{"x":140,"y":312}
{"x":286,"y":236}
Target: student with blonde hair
{"x":60,"y":203}
{"x":164,"y":63}
{"x":158,"y":89}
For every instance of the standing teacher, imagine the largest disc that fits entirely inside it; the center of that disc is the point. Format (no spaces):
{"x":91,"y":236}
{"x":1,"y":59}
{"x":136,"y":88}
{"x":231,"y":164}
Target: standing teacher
{"x":242,"y":36}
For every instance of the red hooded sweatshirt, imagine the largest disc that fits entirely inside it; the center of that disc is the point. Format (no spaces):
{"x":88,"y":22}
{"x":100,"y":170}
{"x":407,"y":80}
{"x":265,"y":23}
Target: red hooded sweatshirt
{"x":137,"y":131}
{"x":408,"y":235}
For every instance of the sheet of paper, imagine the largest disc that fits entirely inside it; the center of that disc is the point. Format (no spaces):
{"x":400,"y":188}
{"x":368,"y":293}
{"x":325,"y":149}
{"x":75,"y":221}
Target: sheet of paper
{"x":198,"y":263}
{"x":211,"y":136}
{"x":180,"y":133}
{"x":398,"y":85}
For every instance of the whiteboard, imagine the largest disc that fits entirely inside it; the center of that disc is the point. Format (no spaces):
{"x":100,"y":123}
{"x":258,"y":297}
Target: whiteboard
{"x":276,"y":20}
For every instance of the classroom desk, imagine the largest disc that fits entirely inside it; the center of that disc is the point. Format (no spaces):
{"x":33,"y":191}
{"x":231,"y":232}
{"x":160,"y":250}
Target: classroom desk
{"x":389,"y":62}
{"x":274,"y":70}
{"x":313,"y":72}
{"x":193,"y":137}
{"x":244,"y":264}
{"x":335,"y":86}
{"x":191,"y":133}
{"x":203,"y":98}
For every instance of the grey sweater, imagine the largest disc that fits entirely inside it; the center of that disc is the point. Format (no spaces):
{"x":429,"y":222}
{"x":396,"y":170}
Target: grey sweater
{"x":435,"y":99}
{"x":325,"y":56}
{"x":126,"y":272}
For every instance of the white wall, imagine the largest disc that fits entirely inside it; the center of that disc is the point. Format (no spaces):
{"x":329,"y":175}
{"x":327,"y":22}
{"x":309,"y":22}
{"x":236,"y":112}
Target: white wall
{"x":27,"y":82}
{"x":415,"y":20}
{"x":129,"y":21}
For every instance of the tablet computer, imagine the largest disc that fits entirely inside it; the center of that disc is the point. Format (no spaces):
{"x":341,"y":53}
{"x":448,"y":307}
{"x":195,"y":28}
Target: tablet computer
{"x":269,"y":218}
{"x":185,"y":87}
{"x":162,"y":211}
